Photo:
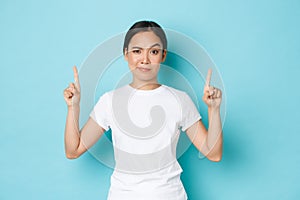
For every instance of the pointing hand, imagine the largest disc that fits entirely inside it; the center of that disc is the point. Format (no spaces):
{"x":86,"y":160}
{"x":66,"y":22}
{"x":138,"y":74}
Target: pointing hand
{"x":211,"y":96}
{"x":72,"y":93}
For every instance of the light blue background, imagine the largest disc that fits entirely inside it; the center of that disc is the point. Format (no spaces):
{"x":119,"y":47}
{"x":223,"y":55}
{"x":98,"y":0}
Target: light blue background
{"x":255,"y":44}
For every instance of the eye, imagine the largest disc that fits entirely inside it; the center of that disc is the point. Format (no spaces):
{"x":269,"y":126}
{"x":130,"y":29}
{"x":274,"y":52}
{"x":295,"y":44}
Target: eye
{"x":136,"y":51}
{"x":154,"y":51}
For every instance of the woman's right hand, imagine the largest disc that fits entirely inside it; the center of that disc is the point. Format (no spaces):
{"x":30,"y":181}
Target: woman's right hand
{"x":72,"y":93}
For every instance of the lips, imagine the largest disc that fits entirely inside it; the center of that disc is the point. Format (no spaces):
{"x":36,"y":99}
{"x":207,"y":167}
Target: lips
{"x":143,"y":69}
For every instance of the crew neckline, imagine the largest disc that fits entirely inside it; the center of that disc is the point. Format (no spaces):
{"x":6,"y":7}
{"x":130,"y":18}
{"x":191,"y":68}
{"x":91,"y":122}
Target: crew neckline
{"x":140,"y":91}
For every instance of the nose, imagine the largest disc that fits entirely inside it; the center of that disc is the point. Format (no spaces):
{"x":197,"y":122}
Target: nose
{"x":145,"y":58}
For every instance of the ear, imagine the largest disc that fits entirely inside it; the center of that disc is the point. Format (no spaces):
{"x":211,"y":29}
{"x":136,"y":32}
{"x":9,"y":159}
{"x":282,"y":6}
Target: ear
{"x":164,"y":55}
{"x":126,"y":54}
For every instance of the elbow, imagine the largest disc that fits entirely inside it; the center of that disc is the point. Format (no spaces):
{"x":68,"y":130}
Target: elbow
{"x":72,"y":156}
{"x":216,"y":159}
{"x":216,"y":154}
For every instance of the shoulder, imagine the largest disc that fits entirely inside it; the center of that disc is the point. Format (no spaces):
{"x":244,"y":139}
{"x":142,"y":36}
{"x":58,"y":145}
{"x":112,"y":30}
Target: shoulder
{"x":179,"y":93}
{"x":115,"y":90}
{"x":109,"y":94}
{"x":183,"y":96}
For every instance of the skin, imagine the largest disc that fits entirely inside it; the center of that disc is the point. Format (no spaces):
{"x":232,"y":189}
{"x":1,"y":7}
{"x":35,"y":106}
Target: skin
{"x":144,"y":52}
{"x":144,"y":55}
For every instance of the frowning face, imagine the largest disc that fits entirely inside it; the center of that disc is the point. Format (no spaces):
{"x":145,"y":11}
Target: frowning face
{"x":144,"y":55}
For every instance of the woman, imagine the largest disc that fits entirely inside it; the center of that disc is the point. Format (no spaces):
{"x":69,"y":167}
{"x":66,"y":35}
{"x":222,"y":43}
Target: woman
{"x":145,"y":148}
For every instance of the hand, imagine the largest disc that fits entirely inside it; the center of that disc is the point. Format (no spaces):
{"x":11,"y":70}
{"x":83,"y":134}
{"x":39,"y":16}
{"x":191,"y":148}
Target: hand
{"x":72,"y":93}
{"x":211,"y":96}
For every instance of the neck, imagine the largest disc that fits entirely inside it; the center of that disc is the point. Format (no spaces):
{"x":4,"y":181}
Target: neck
{"x":145,"y":86}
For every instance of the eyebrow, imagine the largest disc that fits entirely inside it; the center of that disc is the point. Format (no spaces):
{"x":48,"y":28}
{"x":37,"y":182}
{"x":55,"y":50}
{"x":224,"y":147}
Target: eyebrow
{"x":156,"y":44}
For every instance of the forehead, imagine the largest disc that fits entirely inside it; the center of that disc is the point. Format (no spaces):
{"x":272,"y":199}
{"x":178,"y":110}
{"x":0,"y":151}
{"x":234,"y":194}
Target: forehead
{"x":144,"y":40}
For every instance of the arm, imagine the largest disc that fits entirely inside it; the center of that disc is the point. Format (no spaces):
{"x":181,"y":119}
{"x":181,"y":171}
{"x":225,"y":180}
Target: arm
{"x":209,"y":142}
{"x":78,"y":141}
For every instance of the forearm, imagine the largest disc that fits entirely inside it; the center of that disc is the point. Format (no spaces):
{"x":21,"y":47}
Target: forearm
{"x":72,"y":136}
{"x":214,"y":136}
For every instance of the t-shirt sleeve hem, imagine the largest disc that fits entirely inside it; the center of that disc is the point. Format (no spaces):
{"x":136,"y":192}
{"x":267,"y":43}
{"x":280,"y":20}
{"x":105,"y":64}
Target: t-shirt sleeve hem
{"x":190,"y":123}
{"x":105,"y":127}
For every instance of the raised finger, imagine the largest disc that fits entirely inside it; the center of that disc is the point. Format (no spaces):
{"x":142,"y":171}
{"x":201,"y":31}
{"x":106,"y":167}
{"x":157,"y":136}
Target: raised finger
{"x":208,"y":77}
{"x":76,"y":78}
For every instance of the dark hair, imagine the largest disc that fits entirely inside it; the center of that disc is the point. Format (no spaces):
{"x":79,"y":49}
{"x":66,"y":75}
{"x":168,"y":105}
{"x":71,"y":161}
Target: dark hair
{"x":143,"y":26}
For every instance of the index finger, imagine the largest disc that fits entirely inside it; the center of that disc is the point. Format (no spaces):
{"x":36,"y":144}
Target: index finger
{"x":76,"y":78}
{"x":208,"y":77}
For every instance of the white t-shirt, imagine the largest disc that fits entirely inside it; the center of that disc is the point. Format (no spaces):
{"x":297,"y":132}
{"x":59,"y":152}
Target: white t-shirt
{"x":145,"y":128}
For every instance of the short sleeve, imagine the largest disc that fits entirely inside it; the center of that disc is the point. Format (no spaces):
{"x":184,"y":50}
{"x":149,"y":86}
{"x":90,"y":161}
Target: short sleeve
{"x":100,"y":112}
{"x":190,"y":113}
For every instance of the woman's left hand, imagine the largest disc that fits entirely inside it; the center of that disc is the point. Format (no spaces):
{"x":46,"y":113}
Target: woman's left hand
{"x":211,"y":96}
